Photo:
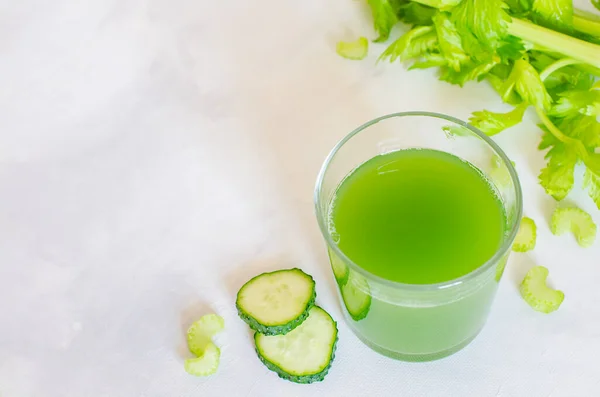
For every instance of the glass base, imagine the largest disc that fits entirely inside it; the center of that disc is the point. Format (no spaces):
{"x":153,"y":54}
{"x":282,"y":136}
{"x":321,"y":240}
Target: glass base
{"x":411,"y":357}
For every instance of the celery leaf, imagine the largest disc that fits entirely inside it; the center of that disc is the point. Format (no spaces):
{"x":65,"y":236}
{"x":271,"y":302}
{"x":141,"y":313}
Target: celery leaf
{"x":554,"y":13}
{"x":557,"y":177}
{"x":573,"y":102}
{"x":486,"y":20}
{"x":493,"y":123}
{"x":416,"y":14}
{"x":414,"y":44}
{"x":526,"y":81}
{"x":449,"y":41}
{"x":384,"y":18}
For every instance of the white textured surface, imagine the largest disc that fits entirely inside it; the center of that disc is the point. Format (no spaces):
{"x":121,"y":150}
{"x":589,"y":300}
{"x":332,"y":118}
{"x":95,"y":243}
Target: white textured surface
{"x":155,"y":154}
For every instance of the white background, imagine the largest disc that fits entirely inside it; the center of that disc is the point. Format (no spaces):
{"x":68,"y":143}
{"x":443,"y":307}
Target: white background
{"x":156,"y":154}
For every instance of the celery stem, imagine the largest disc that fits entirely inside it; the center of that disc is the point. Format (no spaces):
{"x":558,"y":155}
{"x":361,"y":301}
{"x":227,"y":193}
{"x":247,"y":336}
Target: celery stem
{"x":571,"y":47}
{"x":586,"y":22}
{"x":552,"y":128}
{"x":553,"y":67}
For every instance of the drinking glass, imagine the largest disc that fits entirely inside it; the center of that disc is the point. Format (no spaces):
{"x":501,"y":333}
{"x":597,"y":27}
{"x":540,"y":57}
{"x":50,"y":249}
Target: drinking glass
{"x":426,"y":321}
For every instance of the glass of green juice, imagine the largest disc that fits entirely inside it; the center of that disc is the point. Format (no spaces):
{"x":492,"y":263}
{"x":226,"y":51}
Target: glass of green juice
{"x":419,"y":211}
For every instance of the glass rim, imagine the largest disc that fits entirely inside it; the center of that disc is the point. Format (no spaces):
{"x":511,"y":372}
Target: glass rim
{"x":500,"y":252}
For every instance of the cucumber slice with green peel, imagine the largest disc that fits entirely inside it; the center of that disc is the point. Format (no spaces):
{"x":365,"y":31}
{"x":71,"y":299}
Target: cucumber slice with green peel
{"x":525,"y":240}
{"x":577,"y":221}
{"x":303,"y":355}
{"x":206,"y":364}
{"x":275,"y":303}
{"x":200,"y":334}
{"x":340,"y":269}
{"x":356,"y":295}
{"x":537,"y":294}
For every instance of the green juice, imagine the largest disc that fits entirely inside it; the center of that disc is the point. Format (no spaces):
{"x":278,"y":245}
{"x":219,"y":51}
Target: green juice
{"x":417,"y":216}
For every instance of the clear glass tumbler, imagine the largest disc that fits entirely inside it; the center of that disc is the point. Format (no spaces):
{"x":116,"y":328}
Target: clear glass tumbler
{"x":407,"y":321}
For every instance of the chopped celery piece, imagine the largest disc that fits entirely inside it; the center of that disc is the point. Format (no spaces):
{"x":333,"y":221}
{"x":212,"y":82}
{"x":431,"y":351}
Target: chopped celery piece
{"x":356,"y":50}
{"x":206,"y":364}
{"x":200,"y":334}
{"x":577,"y":221}
{"x":537,"y":294}
{"x":525,"y":240}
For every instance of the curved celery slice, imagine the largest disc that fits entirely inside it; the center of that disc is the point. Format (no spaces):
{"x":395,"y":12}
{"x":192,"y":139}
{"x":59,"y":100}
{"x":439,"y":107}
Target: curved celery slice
{"x":356,"y":50}
{"x":200,"y":334}
{"x":525,"y":240}
{"x":206,"y":364}
{"x":537,"y":294}
{"x":577,"y":221}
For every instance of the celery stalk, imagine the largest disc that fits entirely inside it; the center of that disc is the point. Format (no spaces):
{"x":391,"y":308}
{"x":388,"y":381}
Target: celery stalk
{"x":586,"y":22}
{"x":569,"y":46}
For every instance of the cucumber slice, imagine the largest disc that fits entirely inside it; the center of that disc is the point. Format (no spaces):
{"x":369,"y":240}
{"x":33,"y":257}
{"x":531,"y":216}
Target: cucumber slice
{"x":537,"y":294}
{"x":303,"y":355}
{"x":356,"y":295}
{"x":275,"y":303}
{"x":206,"y":364}
{"x":340,"y":269}
{"x":525,"y":240}
{"x":577,"y":221}
{"x":200,"y":333}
